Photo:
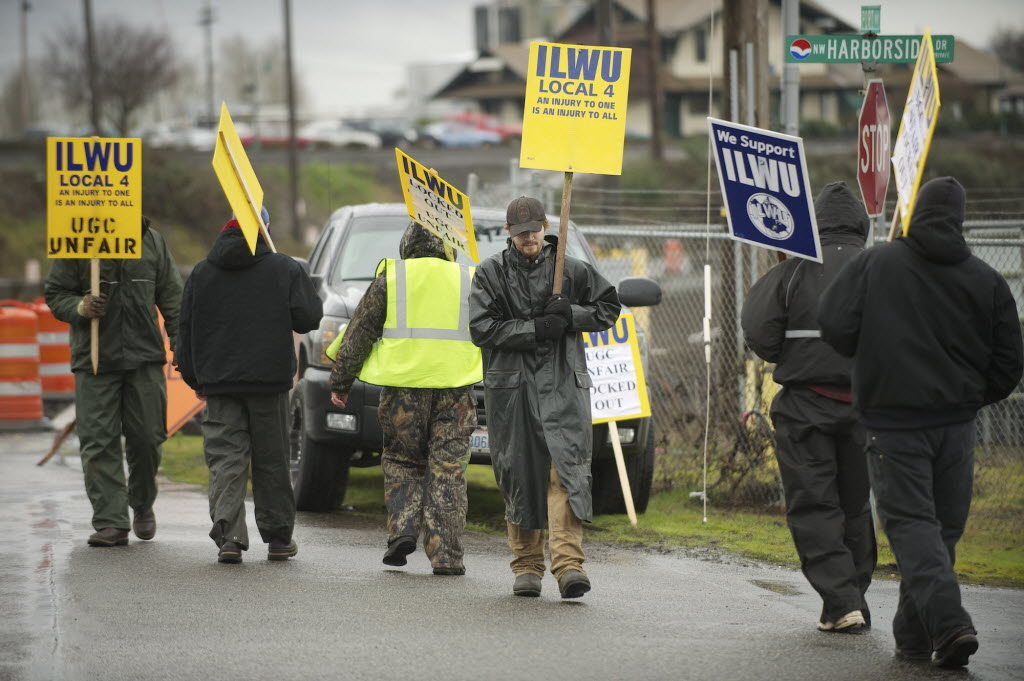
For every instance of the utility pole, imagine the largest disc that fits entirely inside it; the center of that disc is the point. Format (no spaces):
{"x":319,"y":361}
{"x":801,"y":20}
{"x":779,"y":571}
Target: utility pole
{"x":745,"y":30}
{"x":657,"y":101}
{"x":606,"y":37}
{"x":25,"y":99}
{"x":90,"y":68}
{"x":790,"y":99}
{"x":206,"y":21}
{"x":293,"y":152}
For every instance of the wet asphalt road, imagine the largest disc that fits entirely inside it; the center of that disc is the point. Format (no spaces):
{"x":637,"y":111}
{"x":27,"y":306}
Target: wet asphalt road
{"x":166,"y":610}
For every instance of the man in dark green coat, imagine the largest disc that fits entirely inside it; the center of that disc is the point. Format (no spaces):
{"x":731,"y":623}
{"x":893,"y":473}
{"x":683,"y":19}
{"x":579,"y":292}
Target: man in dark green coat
{"x":537,"y":393}
{"x":128,"y":394}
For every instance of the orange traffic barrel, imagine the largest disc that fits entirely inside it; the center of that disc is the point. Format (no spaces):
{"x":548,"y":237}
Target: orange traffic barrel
{"x":21,"y":392}
{"x":54,"y":354}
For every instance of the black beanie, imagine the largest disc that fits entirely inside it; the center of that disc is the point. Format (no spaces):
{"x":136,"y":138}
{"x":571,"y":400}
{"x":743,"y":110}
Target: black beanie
{"x":942,"y":192}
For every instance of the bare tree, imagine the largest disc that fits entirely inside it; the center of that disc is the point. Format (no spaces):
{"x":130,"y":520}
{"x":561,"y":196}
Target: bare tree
{"x":12,"y":114}
{"x":133,"y":65}
{"x":1008,"y":45}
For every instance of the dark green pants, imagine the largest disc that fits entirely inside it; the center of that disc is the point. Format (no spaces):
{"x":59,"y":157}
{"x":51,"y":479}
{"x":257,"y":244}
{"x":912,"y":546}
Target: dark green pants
{"x":239,"y":431}
{"x":132,"y":403}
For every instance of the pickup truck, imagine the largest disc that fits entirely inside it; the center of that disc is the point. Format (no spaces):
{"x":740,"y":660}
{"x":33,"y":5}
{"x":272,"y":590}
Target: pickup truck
{"x":326,"y":441}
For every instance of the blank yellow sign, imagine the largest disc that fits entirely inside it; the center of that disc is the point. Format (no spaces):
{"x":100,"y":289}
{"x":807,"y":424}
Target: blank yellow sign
{"x":575,"y":115}
{"x":237,"y":178}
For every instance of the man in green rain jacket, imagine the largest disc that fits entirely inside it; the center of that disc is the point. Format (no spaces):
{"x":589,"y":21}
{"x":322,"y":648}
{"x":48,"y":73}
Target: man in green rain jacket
{"x":537,"y":394}
{"x":128,"y":394}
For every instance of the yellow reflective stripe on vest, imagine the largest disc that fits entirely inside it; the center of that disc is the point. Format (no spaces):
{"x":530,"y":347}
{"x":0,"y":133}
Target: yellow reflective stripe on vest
{"x":402,"y":329}
{"x":425,"y":342}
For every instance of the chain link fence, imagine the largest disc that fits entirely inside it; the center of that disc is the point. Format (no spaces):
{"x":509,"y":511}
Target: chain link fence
{"x":732,"y":394}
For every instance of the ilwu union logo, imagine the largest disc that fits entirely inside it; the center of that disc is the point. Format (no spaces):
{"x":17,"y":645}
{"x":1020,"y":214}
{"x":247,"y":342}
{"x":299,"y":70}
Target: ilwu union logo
{"x":770,"y":216}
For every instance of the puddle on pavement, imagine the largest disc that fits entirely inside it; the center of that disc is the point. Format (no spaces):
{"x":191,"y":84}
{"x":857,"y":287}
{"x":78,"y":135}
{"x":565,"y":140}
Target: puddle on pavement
{"x":776,"y":587}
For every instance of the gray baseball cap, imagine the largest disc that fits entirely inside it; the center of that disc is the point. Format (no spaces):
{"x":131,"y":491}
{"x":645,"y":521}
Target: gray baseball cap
{"x":525,"y":214}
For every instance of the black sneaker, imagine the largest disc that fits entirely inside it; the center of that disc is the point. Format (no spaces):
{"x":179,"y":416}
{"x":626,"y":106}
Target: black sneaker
{"x":957,"y":652}
{"x":278,"y":550}
{"x":230,"y":552}
{"x":398,"y":549}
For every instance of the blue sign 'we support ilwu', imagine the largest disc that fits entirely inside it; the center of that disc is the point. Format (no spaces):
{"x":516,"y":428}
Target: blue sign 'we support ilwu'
{"x":765,"y":188}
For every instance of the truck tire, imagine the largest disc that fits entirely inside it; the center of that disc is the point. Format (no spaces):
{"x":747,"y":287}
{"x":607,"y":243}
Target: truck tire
{"x":319,"y":471}
{"x":607,"y":491}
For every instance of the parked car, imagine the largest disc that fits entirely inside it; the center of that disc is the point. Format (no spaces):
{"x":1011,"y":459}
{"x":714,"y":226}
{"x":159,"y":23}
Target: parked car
{"x":509,"y":132}
{"x":326,"y":440}
{"x":449,"y":134}
{"x":336,"y":134}
{"x":392,"y":132}
{"x":175,"y":136}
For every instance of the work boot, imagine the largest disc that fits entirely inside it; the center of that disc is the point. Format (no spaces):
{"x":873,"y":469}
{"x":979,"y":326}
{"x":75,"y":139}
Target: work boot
{"x":958,"y":650}
{"x":457,"y":571}
{"x":278,"y":550}
{"x":526,"y":584}
{"x":144,"y":524}
{"x":230,"y":552}
{"x":109,"y":536}
{"x":573,"y":584}
{"x":398,"y":549}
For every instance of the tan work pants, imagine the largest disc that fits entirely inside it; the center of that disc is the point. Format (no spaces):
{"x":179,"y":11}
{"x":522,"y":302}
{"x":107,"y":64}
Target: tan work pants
{"x":565,"y":536}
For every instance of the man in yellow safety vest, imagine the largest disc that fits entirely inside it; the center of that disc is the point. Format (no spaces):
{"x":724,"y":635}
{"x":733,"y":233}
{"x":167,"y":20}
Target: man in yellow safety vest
{"x":410,"y":334}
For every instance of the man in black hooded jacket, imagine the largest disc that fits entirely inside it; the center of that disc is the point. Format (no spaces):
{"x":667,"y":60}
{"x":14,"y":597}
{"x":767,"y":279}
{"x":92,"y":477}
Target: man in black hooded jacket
{"x":819,"y":444}
{"x":935,"y":335}
{"x":235,"y":348}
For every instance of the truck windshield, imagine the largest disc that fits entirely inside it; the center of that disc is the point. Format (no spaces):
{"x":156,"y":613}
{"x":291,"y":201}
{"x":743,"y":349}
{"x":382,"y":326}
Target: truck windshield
{"x":370,"y":239}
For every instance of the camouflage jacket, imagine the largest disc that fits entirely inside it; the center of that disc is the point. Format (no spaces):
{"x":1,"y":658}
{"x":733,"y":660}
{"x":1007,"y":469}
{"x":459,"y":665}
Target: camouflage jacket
{"x":366,"y":327}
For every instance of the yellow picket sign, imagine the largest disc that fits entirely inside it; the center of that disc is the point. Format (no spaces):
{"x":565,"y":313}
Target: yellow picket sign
{"x":93,"y":197}
{"x":238,"y":181}
{"x":437,"y":205}
{"x":917,"y":126}
{"x":575,"y":114}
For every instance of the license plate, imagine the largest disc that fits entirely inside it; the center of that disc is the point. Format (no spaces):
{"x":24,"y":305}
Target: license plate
{"x":478,"y":441}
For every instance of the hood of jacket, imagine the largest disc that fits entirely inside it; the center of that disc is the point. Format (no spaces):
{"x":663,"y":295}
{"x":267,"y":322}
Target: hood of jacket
{"x":841,"y":216}
{"x":937,"y":227}
{"x":419,"y":242}
{"x":231,"y":252}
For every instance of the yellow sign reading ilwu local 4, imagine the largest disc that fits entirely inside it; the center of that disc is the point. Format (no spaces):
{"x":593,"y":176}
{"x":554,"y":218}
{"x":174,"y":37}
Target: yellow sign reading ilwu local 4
{"x":616,"y":372}
{"x":916,"y":128}
{"x":237,"y":179}
{"x":437,"y":205}
{"x":93,"y":197}
{"x":575,"y":115}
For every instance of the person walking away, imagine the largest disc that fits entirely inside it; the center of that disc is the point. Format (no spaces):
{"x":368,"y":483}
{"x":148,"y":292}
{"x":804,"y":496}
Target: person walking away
{"x":128,"y":393}
{"x":235,"y":349}
{"x":934,"y":335}
{"x":410,"y":335}
{"x":537,"y":393}
{"x":819,"y":443}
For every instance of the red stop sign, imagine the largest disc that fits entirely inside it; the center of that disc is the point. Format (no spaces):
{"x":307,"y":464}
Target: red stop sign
{"x":873,"y":166}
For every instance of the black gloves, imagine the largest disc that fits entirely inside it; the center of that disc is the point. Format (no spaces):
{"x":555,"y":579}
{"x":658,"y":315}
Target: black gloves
{"x":550,"y":327}
{"x":559,"y":305}
{"x":556,"y":320}
{"x":92,"y":306}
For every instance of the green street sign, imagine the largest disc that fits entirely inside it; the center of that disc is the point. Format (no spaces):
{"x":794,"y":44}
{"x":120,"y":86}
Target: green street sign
{"x":853,"y":49}
{"x":870,"y":18}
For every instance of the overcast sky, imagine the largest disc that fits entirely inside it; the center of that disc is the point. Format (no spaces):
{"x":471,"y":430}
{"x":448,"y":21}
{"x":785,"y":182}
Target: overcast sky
{"x":352,"y":54}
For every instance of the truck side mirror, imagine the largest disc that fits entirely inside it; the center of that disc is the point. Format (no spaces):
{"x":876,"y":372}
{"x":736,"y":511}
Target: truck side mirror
{"x":639,"y":292}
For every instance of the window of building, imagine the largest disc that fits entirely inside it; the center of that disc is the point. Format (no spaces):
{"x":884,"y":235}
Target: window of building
{"x":700,"y":41}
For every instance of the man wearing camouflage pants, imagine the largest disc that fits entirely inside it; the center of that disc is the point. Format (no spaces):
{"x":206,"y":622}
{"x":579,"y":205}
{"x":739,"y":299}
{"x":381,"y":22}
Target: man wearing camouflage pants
{"x":410,"y":334}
